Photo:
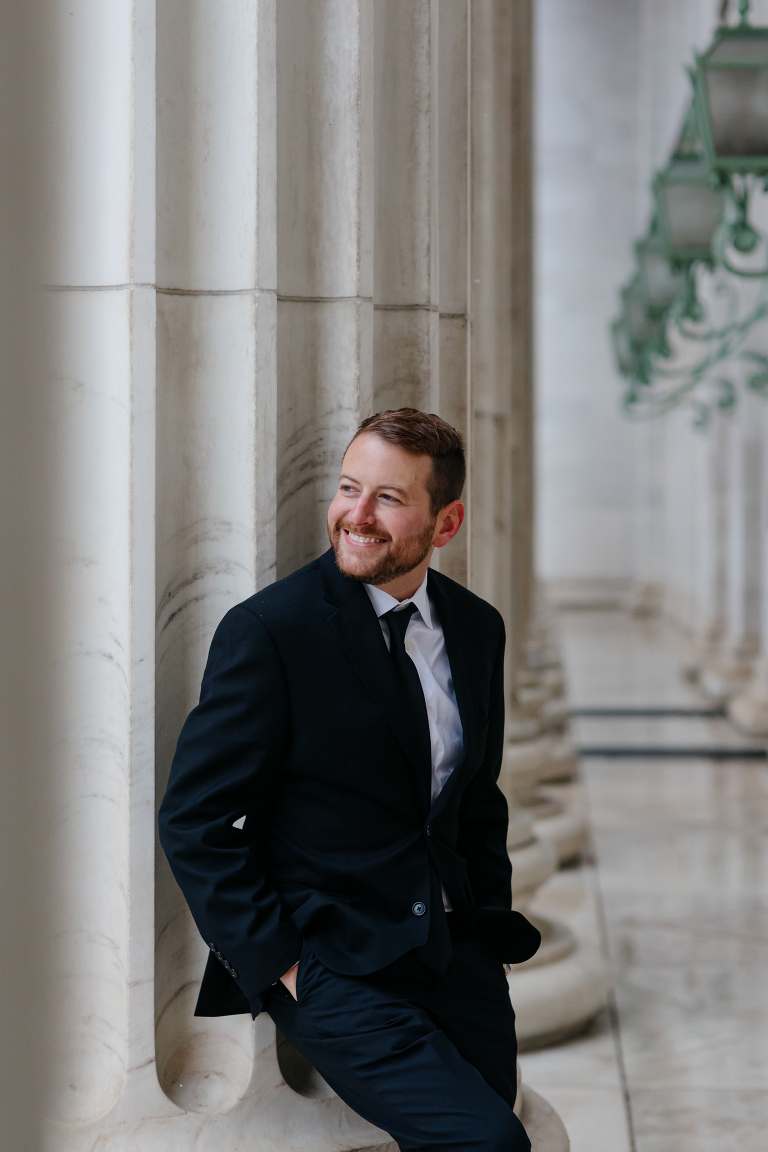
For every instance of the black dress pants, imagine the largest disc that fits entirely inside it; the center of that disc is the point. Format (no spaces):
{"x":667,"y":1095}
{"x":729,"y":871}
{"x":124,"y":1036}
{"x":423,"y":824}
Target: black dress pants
{"x":430,"y":1059}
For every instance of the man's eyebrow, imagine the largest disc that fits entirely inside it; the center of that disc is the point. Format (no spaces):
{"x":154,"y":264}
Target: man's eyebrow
{"x":392,"y":487}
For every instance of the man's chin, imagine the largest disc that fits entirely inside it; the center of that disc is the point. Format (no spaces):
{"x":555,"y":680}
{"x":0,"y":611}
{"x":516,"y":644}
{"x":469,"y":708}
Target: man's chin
{"x":358,"y":566}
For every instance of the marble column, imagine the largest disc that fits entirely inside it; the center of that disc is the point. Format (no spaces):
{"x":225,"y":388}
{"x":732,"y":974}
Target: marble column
{"x":98,"y":323}
{"x":216,"y":388}
{"x":325,"y":182}
{"x":748,"y":706}
{"x":565,"y":984}
{"x":232,"y":189}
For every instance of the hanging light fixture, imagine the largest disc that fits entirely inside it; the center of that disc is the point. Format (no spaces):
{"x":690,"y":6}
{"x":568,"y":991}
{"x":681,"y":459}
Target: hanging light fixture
{"x":661,"y":281}
{"x":629,"y":359}
{"x":690,"y":199}
{"x":731,"y":85}
{"x":638,"y":335}
{"x":646,"y":331}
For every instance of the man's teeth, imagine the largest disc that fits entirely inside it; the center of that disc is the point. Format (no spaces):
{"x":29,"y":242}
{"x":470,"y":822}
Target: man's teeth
{"x":364,"y":539}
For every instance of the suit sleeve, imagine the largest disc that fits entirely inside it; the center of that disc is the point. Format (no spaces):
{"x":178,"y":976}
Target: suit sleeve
{"x":483,"y":815}
{"x":226,"y":765}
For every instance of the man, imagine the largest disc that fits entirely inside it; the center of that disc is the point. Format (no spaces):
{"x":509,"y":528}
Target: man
{"x":333,"y":818}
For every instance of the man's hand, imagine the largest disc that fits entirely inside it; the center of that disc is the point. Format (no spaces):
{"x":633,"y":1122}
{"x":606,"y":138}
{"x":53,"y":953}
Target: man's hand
{"x":289,"y":979}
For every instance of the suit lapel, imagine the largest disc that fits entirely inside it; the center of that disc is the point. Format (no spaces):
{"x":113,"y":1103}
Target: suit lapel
{"x":357,"y":628}
{"x":458,"y":645}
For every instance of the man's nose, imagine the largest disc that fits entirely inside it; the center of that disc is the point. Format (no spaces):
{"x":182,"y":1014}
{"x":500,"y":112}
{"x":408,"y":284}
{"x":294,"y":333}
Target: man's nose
{"x":363,"y":512}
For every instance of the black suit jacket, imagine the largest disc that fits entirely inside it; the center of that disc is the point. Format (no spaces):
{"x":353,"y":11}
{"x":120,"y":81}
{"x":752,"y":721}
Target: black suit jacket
{"x":302,"y":729}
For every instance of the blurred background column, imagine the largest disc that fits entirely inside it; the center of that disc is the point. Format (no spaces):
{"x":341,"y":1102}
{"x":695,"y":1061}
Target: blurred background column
{"x":563,"y":986}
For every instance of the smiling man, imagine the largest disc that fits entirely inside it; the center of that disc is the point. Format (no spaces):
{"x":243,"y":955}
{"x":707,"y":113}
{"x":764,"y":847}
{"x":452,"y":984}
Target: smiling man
{"x":333,"y":817}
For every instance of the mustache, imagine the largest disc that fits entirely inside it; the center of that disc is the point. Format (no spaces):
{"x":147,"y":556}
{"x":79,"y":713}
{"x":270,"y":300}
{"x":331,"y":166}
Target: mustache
{"x":379,"y":534}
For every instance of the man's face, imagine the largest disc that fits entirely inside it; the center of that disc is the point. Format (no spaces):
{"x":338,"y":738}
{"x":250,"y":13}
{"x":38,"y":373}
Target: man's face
{"x":379,"y":523}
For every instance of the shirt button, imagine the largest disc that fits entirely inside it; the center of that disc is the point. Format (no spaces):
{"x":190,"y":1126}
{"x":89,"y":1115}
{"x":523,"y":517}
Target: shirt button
{"x":419,"y":909}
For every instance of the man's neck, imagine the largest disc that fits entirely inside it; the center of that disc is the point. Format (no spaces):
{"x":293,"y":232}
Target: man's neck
{"x":404,"y":587}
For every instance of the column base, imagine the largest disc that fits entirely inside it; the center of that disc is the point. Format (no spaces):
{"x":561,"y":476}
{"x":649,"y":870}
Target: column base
{"x":562,"y":761}
{"x":559,"y":991}
{"x":559,"y":824}
{"x":545,"y":1129}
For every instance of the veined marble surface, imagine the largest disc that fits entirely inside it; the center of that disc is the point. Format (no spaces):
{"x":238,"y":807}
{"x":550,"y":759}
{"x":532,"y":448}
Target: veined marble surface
{"x":680,"y":1062}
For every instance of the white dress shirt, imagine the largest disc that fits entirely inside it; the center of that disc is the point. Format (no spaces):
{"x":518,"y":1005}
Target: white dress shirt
{"x":425,"y":644}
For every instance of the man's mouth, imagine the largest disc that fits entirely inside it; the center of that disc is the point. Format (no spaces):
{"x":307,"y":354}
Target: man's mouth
{"x":362,"y":541}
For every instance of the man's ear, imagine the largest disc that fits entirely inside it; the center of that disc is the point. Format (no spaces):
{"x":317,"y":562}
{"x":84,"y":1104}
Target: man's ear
{"x":449,"y":520}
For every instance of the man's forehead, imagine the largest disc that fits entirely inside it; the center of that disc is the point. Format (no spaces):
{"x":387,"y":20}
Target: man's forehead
{"x":369,"y":451}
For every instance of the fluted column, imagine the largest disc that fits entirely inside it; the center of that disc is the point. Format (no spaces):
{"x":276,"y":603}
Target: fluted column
{"x":95,"y":322}
{"x":406,"y":325}
{"x":739,"y":478}
{"x":749,"y":704}
{"x":490,"y":523}
{"x":210,"y":268}
{"x":564,"y":985}
{"x":325,"y":257}
{"x":215,"y":428}
{"x":451,"y":392}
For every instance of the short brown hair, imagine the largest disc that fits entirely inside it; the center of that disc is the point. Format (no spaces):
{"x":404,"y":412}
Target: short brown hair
{"x":424,"y":434}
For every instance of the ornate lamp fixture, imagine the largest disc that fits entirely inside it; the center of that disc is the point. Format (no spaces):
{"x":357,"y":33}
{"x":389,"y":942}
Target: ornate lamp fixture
{"x":639,"y":336}
{"x":646,"y":331}
{"x":690,"y":199}
{"x":702,"y":202}
{"x":731,"y":85}
{"x":661,"y":281}
{"x":690,"y":209}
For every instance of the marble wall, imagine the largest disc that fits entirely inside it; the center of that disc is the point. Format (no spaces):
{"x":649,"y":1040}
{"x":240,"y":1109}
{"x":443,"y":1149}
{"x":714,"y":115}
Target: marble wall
{"x":256,"y":224}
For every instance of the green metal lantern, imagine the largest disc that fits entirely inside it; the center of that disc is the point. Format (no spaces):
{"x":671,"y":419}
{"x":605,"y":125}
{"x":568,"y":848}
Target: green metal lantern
{"x":646,"y":331}
{"x":661,"y":281}
{"x":731,"y":85}
{"x":689,"y":209}
{"x":629,"y":358}
{"x":690,"y":201}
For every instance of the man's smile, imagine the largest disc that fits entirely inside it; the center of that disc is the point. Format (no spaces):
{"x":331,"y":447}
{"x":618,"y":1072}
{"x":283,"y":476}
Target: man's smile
{"x":362,"y":541}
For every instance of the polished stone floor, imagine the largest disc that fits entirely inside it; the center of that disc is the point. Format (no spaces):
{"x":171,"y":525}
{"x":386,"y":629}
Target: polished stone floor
{"x":676,"y":893}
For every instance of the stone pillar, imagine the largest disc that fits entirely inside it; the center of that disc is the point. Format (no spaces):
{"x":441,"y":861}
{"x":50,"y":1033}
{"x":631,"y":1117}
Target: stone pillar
{"x":564,"y":985}
{"x":406,"y":285}
{"x":216,"y":378}
{"x":741,"y":467}
{"x":748,"y":706}
{"x":211,"y":353}
{"x":711,"y":577}
{"x":98,"y":323}
{"x":451,"y":393}
{"x":325,"y":172}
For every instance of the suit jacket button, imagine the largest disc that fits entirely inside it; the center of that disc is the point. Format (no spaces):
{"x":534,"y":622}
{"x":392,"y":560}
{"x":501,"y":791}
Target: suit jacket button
{"x":419,"y":909}
{"x":233,"y":974}
{"x":428,"y":829}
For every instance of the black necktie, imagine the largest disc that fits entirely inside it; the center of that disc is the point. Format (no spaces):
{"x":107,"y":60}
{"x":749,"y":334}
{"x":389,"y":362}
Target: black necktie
{"x":405,"y":669}
{"x":437,"y":950}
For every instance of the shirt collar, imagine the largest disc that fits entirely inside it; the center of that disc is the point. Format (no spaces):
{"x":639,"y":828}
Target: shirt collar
{"x":383,"y":602}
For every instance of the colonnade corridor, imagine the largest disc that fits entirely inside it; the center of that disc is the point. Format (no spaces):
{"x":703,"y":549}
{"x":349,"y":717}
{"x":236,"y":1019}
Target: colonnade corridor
{"x":675,"y":893}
